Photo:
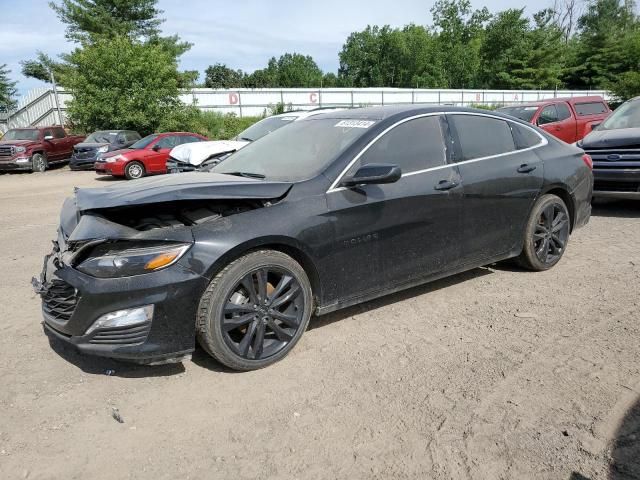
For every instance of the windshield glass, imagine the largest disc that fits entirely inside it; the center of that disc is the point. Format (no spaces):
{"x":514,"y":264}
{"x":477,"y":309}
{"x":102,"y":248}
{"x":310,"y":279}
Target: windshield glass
{"x":296,"y":153}
{"x":261,"y":128}
{"x":21,"y":135}
{"x":523,"y":112}
{"x":627,"y":115}
{"x":143,"y":142}
{"x":101,"y":137}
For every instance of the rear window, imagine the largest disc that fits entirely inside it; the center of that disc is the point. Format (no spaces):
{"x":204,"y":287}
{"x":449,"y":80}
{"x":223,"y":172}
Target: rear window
{"x":481,"y":136}
{"x":591,"y":108}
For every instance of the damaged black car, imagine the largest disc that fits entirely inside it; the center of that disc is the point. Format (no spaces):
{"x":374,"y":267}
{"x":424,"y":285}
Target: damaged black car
{"x":330,"y":212}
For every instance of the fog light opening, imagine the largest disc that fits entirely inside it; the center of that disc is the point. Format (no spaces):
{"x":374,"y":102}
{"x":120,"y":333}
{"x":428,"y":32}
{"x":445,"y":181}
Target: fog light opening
{"x":123,"y":318}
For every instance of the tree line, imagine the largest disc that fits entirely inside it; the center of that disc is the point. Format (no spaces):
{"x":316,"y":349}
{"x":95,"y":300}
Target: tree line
{"x":124,"y":73}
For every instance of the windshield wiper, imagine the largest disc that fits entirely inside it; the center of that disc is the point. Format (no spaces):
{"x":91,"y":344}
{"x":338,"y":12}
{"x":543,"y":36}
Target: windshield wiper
{"x":246,"y":139}
{"x":246,"y":174}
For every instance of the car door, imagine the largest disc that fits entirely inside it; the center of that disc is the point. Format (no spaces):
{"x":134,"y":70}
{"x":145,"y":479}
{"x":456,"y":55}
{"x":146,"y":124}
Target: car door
{"x":392,"y":234}
{"x":549,"y":120}
{"x":502,"y":176}
{"x":50,"y":145}
{"x":567,"y":123}
{"x":62,"y":143}
{"x":156,"y":160}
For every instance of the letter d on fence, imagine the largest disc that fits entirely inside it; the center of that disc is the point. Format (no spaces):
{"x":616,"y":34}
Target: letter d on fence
{"x":233,"y":98}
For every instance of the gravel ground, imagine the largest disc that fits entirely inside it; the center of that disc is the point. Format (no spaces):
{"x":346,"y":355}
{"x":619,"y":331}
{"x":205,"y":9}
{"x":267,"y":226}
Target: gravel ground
{"x":495,"y":373}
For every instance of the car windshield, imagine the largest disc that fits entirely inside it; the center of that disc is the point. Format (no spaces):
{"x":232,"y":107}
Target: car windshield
{"x":626,"y":115}
{"x":143,"y":142}
{"x":261,"y":128}
{"x":102,"y":137}
{"x":21,"y":134}
{"x":296,"y":153}
{"x":523,"y":112}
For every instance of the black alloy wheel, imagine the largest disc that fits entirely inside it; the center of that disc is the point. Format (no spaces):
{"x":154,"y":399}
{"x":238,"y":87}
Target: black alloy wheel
{"x":255,"y":310}
{"x":546,"y":234}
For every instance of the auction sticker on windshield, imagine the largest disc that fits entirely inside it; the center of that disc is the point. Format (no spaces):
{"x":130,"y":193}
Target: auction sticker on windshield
{"x":354,"y":123}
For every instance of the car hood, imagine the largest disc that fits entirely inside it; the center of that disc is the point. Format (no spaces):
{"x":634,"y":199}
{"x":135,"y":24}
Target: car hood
{"x":170,"y":188}
{"x":122,"y":151}
{"x":623,"y":137}
{"x":91,"y":145}
{"x":16,"y":143}
{"x":197,"y":152}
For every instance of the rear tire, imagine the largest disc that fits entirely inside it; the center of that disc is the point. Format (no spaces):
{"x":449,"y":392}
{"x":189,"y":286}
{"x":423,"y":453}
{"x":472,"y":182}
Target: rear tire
{"x":255,"y":310}
{"x":38,"y":163}
{"x":134,"y":170}
{"x":546,"y":234}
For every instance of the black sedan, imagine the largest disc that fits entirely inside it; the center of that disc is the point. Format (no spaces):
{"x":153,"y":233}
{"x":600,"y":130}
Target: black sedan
{"x":86,"y":153}
{"x":326,"y":213}
{"x":615,"y":148}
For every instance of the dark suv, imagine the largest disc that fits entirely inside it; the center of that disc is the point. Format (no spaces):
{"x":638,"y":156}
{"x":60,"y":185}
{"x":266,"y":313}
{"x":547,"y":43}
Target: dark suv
{"x":103,"y":141}
{"x":614,"y":147}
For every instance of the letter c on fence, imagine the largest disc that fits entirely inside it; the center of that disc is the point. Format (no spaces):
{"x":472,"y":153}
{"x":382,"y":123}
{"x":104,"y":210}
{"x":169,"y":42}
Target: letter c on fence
{"x":233,"y":99}
{"x":313,"y":97}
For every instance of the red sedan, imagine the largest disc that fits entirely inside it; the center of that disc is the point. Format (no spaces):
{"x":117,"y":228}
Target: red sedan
{"x":147,"y":156}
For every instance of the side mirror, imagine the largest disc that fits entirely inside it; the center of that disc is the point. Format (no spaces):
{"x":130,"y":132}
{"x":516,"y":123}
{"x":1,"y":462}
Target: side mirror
{"x":373,"y":173}
{"x":156,"y":148}
{"x":593,"y":126}
{"x":48,"y":137}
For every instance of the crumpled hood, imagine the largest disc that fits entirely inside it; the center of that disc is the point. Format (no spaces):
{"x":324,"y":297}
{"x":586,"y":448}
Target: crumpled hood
{"x":623,"y":137}
{"x":197,"y":152}
{"x":185,"y":186}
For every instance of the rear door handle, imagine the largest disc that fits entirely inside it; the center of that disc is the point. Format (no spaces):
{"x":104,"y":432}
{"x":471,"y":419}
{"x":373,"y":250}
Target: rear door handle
{"x":524,"y":168}
{"x":445,"y":185}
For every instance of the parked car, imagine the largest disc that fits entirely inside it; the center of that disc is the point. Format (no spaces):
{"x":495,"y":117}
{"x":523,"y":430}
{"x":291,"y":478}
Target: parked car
{"x":569,"y":119}
{"x":329,"y":212}
{"x":190,"y":157}
{"x":615,"y":148}
{"x":101,"y":142}
{"x":147,"y":156}
{"x":36,"y":148}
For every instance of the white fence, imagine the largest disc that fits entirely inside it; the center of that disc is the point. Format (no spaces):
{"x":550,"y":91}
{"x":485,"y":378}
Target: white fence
{"x":39,"y":108}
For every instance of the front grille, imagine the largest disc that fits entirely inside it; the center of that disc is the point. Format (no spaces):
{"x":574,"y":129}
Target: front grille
{"x":616,"y":186}
{"x":132,"y":335}
{"x":59,"y":300}
{"x":6,"y":152}
{"x":84,"y":154}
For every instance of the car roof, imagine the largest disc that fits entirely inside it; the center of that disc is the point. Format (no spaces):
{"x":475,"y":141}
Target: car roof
{"x":547,"y":101}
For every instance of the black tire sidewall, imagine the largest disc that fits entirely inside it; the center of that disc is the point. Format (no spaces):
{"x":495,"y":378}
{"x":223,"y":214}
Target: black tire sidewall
{"x":129,"y":165}
{"x":211,"y":334}
{"x":528,"y":258}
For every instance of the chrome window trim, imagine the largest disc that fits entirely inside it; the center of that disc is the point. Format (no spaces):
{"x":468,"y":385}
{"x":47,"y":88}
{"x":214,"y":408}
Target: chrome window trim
{"x":543,"y":142}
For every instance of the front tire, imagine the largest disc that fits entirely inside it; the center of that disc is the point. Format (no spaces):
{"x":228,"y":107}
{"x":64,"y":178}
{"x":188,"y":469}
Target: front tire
{"x":38,"y":163}
{"x":134,"y":170}
{"x":255,"y":310}
{"x":546,"y":234}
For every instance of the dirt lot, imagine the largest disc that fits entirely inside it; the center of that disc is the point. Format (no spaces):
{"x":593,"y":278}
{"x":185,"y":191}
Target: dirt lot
{"x":495,"y":373}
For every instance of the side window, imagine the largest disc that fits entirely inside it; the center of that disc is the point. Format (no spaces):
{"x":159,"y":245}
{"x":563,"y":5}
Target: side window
{"x":591,"y":108}
{"x":549,"y":114}
{"x":481,"y":136}
{"x":563,"y":111}
{"x":132,"y":136}
{"x":414,"y":145}
{"x":168,"y":142}
{"x":524,"y":137}
{"x":58,"y":133}
{"x":189,"y":139}
{"x":47,"y":133}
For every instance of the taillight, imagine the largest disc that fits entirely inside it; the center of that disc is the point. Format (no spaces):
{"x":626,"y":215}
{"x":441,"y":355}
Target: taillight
{"x":587,"y":161}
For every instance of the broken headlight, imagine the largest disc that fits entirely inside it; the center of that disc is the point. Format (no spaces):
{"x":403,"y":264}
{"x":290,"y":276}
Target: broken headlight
{"x":109,"y":262}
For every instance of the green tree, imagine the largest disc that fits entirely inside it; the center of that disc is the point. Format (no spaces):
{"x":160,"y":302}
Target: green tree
{"x":329,"y":80}
{"x":459,"y":37}
{"x":122,"y":83}
{"x":7,"y":89}
{"x":221,"y":76}
{"x":294,"y":70}
{"x":88,"y":20}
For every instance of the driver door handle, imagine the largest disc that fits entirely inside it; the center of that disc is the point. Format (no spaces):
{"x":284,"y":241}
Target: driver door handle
{"x":524,"y":168}
{"x":445,"y":185}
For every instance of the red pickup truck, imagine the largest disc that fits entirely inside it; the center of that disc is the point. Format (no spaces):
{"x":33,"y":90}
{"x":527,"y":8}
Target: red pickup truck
{"x":35,"y":148}
{"x":569,"y":119}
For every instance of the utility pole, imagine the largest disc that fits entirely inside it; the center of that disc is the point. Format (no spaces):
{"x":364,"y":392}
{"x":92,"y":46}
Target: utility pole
{"x":55,"y":96}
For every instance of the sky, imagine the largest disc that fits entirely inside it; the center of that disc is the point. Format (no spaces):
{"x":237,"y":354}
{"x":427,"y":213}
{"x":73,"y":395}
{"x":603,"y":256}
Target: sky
{"x":240,"y":33}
